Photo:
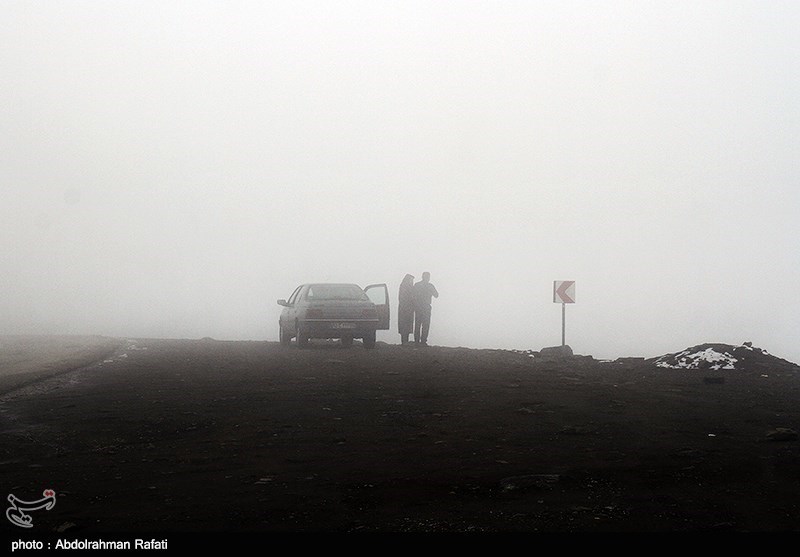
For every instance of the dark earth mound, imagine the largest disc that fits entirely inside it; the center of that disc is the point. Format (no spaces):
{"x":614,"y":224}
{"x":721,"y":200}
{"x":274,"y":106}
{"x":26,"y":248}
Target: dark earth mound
{"x":714,"y":356}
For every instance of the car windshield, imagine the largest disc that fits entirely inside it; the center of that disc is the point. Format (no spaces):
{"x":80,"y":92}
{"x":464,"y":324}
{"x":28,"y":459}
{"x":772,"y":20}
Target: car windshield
{"x":336,"y":292}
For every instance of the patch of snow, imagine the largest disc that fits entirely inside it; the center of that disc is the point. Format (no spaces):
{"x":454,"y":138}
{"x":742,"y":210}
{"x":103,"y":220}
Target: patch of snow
{"x":685,"y":360}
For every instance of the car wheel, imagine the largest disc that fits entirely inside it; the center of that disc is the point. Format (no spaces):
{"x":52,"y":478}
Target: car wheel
{"x":369,"y":339}
{"x":283,"y":335}
{"x":302,"y":339}
{"x":347,"y":341}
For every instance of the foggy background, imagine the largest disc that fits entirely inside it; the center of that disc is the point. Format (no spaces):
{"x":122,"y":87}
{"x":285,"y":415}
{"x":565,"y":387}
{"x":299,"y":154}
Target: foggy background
{"x":170,"y":169}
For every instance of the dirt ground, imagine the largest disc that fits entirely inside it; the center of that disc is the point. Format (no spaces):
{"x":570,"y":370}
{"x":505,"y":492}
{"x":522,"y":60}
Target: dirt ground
{"x":212,"y":436}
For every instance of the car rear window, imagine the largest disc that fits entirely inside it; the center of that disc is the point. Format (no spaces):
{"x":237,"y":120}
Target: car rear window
{"x":336,"y":292}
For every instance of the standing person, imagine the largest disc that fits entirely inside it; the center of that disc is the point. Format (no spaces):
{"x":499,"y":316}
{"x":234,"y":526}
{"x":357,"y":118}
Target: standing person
{"x":423,"y":292}
{"x":405,"y":308}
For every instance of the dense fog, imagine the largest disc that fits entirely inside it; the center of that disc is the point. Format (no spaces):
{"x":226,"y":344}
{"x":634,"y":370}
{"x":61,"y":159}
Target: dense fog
{"x":172,"y":169}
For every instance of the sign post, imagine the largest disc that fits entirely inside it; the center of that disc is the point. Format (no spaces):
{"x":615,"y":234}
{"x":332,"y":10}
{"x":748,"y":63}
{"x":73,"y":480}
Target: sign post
{"x":564,"y":293}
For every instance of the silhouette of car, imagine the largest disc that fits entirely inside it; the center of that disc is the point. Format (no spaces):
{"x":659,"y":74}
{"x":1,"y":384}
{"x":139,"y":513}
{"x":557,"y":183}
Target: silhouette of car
{"x":334,"y":311}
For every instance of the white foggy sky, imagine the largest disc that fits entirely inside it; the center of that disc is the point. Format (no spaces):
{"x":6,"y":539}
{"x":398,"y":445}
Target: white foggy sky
{"x":170,"y":169}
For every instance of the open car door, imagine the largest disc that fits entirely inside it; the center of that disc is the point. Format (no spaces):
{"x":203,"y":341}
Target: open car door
{"x":379,"y":295}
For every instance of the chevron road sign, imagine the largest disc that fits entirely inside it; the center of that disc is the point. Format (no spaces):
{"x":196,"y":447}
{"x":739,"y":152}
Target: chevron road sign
{"x":564,"y":291}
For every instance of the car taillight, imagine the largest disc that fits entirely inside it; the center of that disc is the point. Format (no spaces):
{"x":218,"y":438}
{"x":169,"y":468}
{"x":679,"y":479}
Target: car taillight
{"x":314,"y":314}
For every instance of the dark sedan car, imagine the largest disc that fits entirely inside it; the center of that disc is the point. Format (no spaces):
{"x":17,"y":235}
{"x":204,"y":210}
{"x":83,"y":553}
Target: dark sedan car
{"x":334,"y":310}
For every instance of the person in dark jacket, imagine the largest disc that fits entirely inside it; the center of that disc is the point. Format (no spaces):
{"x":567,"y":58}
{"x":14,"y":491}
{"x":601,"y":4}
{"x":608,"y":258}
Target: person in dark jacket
{"x":423,"y":292}
{"x":405,"y":308}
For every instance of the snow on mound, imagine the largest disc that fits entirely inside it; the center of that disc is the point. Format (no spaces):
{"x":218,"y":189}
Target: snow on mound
{"x":722,"y":356}
{"x":702,"y":359}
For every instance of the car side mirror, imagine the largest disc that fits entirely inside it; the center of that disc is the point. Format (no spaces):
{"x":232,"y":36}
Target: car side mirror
{"x":283,"y":303}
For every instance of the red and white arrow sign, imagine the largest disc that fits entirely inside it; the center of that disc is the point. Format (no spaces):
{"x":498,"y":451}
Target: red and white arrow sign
{"x":564,"y":291}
